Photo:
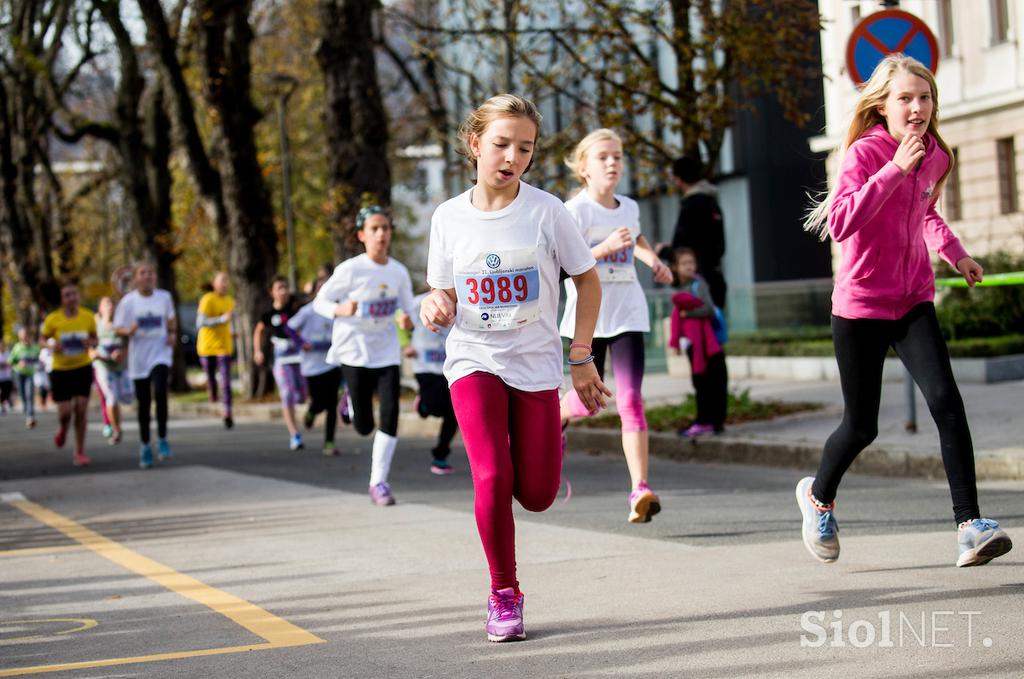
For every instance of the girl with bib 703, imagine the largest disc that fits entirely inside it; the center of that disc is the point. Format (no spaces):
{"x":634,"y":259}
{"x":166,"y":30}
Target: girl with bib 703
{"x":493,"y":266}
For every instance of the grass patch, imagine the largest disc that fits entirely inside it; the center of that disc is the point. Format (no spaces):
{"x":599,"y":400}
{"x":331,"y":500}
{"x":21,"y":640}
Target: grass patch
{"x":672,"y":417}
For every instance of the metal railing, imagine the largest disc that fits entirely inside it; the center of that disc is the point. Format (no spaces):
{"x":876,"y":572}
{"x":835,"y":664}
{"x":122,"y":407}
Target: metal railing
{"x":992,"y":280}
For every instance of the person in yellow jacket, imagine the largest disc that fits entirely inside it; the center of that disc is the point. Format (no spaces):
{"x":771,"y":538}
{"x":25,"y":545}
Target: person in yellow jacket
{"x":216,"y":341}
{"x":70,"y":332}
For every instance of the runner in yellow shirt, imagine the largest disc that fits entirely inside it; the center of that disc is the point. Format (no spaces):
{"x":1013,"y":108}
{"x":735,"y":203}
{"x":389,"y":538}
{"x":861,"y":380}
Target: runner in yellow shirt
{"x":70,"y":332}
{"x":216,"y":341}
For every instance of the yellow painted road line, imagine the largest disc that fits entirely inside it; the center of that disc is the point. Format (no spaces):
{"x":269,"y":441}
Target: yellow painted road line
{"x":276,"y":632}
{"x":35,"y":551}
{"x":175,"y":655}
{"x":253,"y":618}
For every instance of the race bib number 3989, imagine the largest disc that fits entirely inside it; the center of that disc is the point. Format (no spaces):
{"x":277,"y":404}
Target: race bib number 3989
{"x":498,"y":290}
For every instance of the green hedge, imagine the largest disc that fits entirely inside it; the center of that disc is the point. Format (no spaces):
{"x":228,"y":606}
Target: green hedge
{"x":987,"y":312}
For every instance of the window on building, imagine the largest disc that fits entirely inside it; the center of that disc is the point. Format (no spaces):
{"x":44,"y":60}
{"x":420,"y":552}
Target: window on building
{"x":951,"y":192}
{"x":946,"y":28}
{"x":855,"y":14}
{"x":1000,"y":19}
{"x":1006,"y":158}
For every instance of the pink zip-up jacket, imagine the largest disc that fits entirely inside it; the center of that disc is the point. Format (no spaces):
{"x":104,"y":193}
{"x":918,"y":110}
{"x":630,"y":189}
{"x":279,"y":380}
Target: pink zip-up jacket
{"x":885,"y":223}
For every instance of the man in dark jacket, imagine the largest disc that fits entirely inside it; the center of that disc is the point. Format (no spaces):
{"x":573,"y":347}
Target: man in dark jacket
{"x":699,"y":225}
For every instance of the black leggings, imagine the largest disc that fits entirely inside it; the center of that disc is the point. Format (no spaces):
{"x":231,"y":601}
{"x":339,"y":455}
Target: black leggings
{"x":711,"y":390}
{"x":323,"y":392}
{"x":362,"y":383}
{"x":145,"y":390}
{"x":860,"y":347}
{"x":436,"y":400}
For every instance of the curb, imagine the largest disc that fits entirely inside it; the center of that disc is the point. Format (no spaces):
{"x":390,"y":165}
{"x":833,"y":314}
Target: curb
{"x":723,"y":449}
{"x":737,"y":450}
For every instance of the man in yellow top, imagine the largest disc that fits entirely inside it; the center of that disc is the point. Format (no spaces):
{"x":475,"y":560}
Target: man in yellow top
{"x":70,"y":332}
{"x":215,"y":342}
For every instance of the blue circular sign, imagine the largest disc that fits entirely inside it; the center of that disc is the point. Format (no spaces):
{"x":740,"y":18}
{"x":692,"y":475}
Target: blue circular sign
{"x":888,"y":32}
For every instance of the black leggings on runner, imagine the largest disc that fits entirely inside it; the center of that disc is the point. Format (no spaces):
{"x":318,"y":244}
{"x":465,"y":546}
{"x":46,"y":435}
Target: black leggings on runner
{"x":436,"y":400}
{"x":861,"y":346}
{"x":146,"y":389}
{"x":323,"y":392}
{"x":362,"y":383}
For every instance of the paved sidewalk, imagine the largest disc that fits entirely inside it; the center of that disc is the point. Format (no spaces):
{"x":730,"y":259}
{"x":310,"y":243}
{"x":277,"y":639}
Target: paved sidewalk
{"x":993,"y":411}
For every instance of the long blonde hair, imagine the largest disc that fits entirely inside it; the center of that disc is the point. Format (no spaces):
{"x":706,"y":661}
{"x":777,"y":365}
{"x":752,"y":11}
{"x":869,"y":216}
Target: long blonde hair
{"x":498,"y":106}
{"x":866,"y":115}
{"x":578,"y":157}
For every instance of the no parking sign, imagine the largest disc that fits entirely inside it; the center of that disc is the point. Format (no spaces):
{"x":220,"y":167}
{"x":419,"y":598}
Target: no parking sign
{"x":884,"y":33}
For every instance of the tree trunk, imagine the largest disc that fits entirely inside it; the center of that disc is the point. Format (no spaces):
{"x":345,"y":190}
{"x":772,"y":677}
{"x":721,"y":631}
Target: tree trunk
{"x":24,"y":229}
{"x":228,"y":177}
{"x":356,"y":124}
{"x":143,"y":146}
{"x":225,"y":40}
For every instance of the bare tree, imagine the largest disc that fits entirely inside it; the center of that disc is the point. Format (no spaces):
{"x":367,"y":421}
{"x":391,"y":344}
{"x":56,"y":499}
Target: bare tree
{"x":228,"y":174}
{"x":356,"y":124}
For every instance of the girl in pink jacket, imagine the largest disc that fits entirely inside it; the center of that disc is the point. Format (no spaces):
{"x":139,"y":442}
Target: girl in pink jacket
{"x":882,"y":214}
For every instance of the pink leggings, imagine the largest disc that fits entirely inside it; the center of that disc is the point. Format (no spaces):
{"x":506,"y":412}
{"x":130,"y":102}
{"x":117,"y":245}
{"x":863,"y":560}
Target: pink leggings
{"x":628,"y":367}
{"x":513,"y":441}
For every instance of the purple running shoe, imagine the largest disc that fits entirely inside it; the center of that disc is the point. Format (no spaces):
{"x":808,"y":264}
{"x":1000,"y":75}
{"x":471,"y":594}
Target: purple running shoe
{"x":505,"y":616}
{"x":381,"y":496}
{"x":696,"y":430}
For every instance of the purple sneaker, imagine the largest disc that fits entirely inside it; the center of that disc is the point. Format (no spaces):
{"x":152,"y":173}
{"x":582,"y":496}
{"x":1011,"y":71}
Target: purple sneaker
{"x":696,"y":430}
{"x":643,"y":504}
{"x":381,"y":496}
{"x":505,"y":616}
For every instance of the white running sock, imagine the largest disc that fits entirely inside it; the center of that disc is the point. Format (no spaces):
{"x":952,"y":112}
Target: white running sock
{"x":383,"y":452}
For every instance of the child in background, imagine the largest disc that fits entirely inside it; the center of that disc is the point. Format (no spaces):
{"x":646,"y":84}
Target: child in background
{"x":109,"y":368}
{"x":215,"y":342}
{"x":146,"y":317}
{"x":6,"y":379}
{"x":25,"y":358}
{"x":322,"y":378}
{"x":362,"y":296}
{"x":693,"y":314}
{"x":287,"y":354}
{"x":426,"y":351}
{"x":69,"y":333}
{"x":41,"y":378}
{"x":610,"y":223}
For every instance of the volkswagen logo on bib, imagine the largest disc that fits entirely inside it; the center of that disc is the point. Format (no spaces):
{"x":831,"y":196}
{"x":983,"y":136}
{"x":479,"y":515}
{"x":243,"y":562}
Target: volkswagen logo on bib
{"x":493,"y":261}
{"x":485,"y":316}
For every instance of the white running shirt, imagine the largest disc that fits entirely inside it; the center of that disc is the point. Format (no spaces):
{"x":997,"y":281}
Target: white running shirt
{"x":462,"y":238}
{"x":316,"y":331}
{"x":369,"y":339}
{"x":148,"y":347}
{"x":623,"y":303}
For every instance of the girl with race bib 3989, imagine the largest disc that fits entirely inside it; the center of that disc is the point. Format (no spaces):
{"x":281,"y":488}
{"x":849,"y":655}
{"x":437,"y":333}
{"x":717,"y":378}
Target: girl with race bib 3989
{"x":493,"y":266}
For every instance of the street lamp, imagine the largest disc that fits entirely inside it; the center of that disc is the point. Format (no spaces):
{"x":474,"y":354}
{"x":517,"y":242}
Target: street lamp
{"x":285,"y":85}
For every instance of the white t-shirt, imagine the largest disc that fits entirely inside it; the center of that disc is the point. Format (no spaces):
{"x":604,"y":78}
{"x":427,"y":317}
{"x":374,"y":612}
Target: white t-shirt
{"x":524,"y":244}
{"x":429,"y":346}
{"x":315,"y":330}
{"x":369,"y":339}
{"x":623,"y":303}
{"x":148,"y":347}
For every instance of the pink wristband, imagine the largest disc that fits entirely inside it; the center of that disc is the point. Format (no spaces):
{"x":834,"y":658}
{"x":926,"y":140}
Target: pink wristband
{"x":579,"y":345}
